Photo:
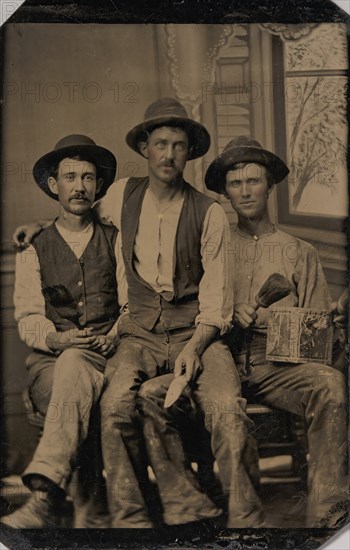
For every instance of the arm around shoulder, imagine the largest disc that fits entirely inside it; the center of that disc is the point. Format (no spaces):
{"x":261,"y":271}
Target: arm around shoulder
{"x":24,"y":234}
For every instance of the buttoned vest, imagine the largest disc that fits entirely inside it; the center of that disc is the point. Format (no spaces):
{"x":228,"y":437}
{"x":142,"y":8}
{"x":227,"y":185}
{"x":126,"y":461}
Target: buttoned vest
{"x":91,"y":279}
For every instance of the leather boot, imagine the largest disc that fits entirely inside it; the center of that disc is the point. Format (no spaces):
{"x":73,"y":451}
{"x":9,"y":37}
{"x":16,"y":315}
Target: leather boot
{"x":40,"y":511}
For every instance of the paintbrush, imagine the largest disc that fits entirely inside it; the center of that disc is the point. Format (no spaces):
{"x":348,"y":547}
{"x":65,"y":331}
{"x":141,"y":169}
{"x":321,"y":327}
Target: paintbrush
{"x":62,"y":300}
{"x":274,"y":288}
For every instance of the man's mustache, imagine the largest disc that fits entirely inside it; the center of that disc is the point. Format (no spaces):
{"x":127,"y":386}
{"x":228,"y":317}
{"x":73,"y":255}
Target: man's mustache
{"x":78,"y":196}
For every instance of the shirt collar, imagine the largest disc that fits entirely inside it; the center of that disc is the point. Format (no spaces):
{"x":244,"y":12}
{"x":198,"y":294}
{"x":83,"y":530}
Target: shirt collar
{"x":256,"y":237}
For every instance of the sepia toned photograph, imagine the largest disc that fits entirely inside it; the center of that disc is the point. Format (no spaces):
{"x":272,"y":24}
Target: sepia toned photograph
{"x":174,"y":287}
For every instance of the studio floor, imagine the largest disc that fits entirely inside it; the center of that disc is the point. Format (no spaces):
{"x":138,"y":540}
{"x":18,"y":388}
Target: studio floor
{"x":284,"y":503}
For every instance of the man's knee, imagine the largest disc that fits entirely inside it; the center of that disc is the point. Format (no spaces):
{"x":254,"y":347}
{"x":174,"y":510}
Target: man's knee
{"x":154,"y":389}
{"x":151,"y":397}
{"x":70,"y":357}
{"x":331,"y":386}
{"x":226,"y":413}
{"x":118,"y":402}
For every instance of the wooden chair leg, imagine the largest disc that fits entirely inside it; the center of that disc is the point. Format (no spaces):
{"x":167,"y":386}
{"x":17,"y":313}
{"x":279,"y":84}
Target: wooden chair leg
{"x":299,"y":452}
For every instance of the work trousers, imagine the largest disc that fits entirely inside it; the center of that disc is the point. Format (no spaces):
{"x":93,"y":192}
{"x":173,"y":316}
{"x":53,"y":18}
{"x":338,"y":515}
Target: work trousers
{"x":134,"y":400}
{"x":317,"y":393}
{"x":66,"y":390}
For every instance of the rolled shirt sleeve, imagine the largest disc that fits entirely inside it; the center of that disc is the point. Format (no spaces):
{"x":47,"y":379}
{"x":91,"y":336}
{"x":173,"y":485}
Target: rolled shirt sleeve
{"x":216,"y":286}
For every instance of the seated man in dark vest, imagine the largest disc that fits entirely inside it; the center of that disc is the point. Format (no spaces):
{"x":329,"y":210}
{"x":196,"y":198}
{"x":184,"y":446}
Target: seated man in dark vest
{"x":175,"y":241}
{"x":246,"y":173}
{"x":66,"y":305}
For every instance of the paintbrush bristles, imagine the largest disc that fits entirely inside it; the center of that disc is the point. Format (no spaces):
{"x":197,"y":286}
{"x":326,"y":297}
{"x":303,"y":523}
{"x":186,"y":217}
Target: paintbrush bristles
{"x":58,"y":296}
{"x":274,"y":288}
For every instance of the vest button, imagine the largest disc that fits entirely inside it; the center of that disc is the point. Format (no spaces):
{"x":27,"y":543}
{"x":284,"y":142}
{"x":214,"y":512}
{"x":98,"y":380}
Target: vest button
{"x":80,"y":304}
{"x":80,"y":283}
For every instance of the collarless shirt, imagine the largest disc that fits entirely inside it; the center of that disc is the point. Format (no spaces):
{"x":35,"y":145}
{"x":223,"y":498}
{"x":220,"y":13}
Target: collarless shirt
{"x":257,"y":257}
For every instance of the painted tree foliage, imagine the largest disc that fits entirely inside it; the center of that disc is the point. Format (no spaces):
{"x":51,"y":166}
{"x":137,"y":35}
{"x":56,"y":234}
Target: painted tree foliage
{"x":316,"y":110}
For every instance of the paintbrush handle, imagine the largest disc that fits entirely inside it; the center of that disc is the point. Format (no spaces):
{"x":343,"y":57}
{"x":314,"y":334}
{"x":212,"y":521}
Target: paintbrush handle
{"x":258,"y":303}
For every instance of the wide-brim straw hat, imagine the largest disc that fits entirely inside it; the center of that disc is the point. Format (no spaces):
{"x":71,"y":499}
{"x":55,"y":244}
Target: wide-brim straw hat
{"x":169,"y":112}
{"x":247,"y":150}
{"x":69,"y":147}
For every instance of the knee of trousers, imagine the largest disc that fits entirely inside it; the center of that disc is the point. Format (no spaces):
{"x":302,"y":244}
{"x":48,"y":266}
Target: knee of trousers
{"x":118,"y":406}
{"x":69,"y":358}
{"x":153,"y":390}
{"x":73,"y":369}
{"x":330,"y":388}
{"x":151,"y":397}
{"x":227,"y":413}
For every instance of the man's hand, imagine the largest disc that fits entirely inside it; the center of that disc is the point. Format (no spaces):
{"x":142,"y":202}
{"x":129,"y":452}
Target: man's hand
{"x":74,"y":338}
{"x":340,"y":321}
{"x":245,"y":315}
{"x":24,"y":234}
{"x":188,"y":363}
{"x":106,"y":345}
{"x":340,"y":317}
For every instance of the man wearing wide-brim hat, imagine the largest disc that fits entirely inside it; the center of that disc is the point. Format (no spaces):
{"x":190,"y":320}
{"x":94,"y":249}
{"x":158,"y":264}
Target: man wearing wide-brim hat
{"x":175,"y":243}
{"x":245,"y":173}
{"x":66,"y":305}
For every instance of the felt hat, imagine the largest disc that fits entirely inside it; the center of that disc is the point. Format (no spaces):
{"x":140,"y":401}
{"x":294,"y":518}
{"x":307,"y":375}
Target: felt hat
{"x":71,"y":146}
{"x":247,"y":150}
{"x":169,"y":112}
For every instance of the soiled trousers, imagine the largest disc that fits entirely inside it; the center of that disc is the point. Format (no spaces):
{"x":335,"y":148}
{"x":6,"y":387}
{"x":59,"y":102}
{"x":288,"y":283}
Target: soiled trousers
{"x":317,"y":393}
{"x":66,"y":390}
{"x":147,"y":358}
